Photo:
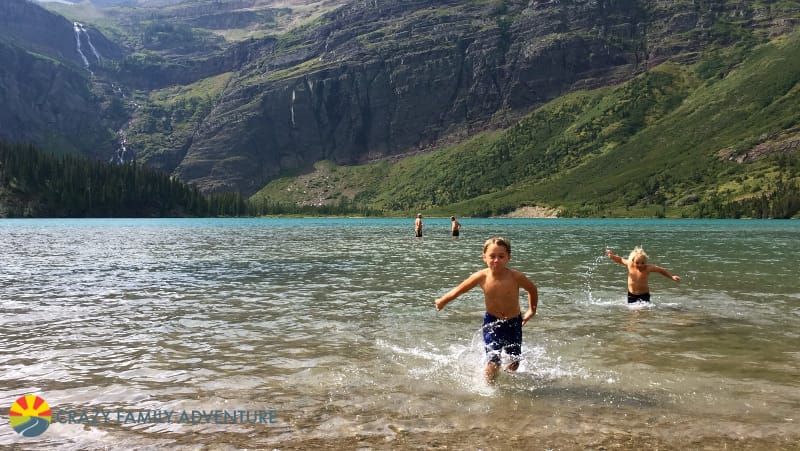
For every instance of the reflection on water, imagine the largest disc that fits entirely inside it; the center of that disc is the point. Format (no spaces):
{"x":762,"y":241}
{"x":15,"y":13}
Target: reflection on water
{"x":330,"y":322}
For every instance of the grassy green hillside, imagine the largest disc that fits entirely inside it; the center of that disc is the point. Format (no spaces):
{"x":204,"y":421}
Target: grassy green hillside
{"x":718,"y":138}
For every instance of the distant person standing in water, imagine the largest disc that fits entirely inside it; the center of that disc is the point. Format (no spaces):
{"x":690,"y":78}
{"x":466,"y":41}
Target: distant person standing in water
{"x":639,"y":273}
{"x":503,"y":320}
{"x":418,"y":226}
{"x":455,"y":226}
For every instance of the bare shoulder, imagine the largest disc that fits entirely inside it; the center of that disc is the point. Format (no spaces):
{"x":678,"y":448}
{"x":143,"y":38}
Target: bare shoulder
{"x":479,"y":275}
{"x":518,"y":275}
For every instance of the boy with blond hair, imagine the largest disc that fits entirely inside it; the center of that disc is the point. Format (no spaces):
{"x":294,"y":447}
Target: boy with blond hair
{"x":638,"y":274}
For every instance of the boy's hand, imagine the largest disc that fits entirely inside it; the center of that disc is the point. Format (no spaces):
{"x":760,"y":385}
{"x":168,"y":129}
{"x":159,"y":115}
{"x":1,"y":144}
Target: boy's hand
{"x":676,"y":278}
{"x":439,"y":304}
{"x":528,"y":315}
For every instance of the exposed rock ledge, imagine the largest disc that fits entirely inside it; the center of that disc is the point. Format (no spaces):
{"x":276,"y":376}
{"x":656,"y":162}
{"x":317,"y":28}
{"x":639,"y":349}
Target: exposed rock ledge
{"x":533,"y":212}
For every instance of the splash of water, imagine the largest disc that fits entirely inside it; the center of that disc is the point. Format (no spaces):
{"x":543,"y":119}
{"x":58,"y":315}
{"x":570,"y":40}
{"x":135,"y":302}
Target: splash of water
{"x":463,"y":364}
{"x":588,"y":276}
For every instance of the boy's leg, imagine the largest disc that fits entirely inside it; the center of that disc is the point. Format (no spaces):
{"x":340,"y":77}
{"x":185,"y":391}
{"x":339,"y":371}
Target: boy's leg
{"x":492,"y":346}
{"x":493,"y":355}
{"x":513,"y":346}
{"x":491,"y":371}
{"x":514,"y":352}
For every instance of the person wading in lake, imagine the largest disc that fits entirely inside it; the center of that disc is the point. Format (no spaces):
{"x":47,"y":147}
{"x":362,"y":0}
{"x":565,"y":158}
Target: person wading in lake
{"x":418,"y":226}
{"x":639,"y":273}
{"x":455,"y":226}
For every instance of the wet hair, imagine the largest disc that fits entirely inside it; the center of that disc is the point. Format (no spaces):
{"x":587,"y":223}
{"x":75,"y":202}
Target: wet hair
{"x":637,"y":254}
{"x":452,"y":218}
{"x":498,"y":240}
{"x":419,"y":215}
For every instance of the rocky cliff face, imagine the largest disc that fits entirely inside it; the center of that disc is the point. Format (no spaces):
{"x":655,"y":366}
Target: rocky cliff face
{"x":380,"y":78}
{"x":45,"y":90}
{"x":49,"y":104}
{"x":29,"y":26}
{"x":370,"y":79}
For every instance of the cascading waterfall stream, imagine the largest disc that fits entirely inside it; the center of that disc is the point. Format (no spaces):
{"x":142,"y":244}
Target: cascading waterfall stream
{"x":77,"y":27}
{"x":294,"y":97}
{"x":89,"y":41}
{"x":120,"y":156}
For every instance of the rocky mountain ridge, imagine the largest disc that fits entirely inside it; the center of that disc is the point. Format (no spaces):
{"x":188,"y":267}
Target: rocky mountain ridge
{"x":383,"y":78}
{"x":369,"y":79}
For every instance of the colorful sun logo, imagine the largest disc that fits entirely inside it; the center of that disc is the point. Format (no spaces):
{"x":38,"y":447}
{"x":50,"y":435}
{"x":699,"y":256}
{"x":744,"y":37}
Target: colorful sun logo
{"x":29,"y":415}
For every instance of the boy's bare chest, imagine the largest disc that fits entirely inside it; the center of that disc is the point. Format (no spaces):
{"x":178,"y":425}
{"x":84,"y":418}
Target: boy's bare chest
{"x":501,"y":288}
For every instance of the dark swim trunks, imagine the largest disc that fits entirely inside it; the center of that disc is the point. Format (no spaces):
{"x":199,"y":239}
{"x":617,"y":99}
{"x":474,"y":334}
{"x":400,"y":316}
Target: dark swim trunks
{"x":418,"y":233}
{"x":455,"y":232}
{"x":502,"y":335}
{"x":633,"y":298}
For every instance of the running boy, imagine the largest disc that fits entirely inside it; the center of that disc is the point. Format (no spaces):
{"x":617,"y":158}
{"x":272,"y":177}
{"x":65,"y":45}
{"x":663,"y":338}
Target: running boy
{"x":503,"y":320}
{"x":638,"y":274}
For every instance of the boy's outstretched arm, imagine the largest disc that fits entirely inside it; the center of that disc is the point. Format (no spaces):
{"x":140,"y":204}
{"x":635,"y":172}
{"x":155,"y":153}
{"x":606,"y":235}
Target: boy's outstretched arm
{"x":462,"y":288}
{"x":616,"y":258}
{"x":665,"y":273}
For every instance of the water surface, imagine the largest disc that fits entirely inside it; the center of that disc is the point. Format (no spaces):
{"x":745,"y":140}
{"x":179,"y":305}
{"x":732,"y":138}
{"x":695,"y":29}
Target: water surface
{"x":330,"y":324}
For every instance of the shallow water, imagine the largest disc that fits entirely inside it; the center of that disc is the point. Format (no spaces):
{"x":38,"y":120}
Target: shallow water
{"x":329,"y":325}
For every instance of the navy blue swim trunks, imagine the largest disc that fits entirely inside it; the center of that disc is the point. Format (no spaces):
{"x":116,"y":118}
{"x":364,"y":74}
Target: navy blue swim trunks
{"x":632,"y":298}
{"x":502,"y":335}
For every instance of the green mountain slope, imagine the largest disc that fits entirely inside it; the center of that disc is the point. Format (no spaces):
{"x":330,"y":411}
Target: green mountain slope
{"x":676,"y":141}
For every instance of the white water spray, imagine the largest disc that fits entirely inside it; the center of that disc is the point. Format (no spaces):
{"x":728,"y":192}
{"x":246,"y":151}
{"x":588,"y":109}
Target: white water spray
{"x":589,"y":275}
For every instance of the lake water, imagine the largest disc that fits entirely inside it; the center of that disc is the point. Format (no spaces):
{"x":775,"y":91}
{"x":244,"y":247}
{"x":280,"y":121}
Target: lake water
{"x":324,"y":330}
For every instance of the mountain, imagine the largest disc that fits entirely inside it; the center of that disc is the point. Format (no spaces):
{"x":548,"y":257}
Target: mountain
{"x":235,"y":95}
{"x":718,"y":138}
{"x":46,"y":89}
{"x":378,"y":79}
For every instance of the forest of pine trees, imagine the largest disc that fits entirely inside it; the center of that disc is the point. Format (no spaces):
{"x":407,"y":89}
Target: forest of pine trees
{"x":38,"y":184}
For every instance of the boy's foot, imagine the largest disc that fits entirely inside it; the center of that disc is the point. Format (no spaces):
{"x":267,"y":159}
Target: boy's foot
{"x":491,"y":372}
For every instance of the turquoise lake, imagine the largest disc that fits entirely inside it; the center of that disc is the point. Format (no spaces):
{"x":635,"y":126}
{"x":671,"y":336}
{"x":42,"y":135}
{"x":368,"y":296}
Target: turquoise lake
{"x":321,"y":333}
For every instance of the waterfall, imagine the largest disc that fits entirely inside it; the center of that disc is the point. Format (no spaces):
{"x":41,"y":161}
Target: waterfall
{"x":120,"y":155}
{"x":294,"y":96}
{"x":89,"y":40}
{"x":77,"y":27}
